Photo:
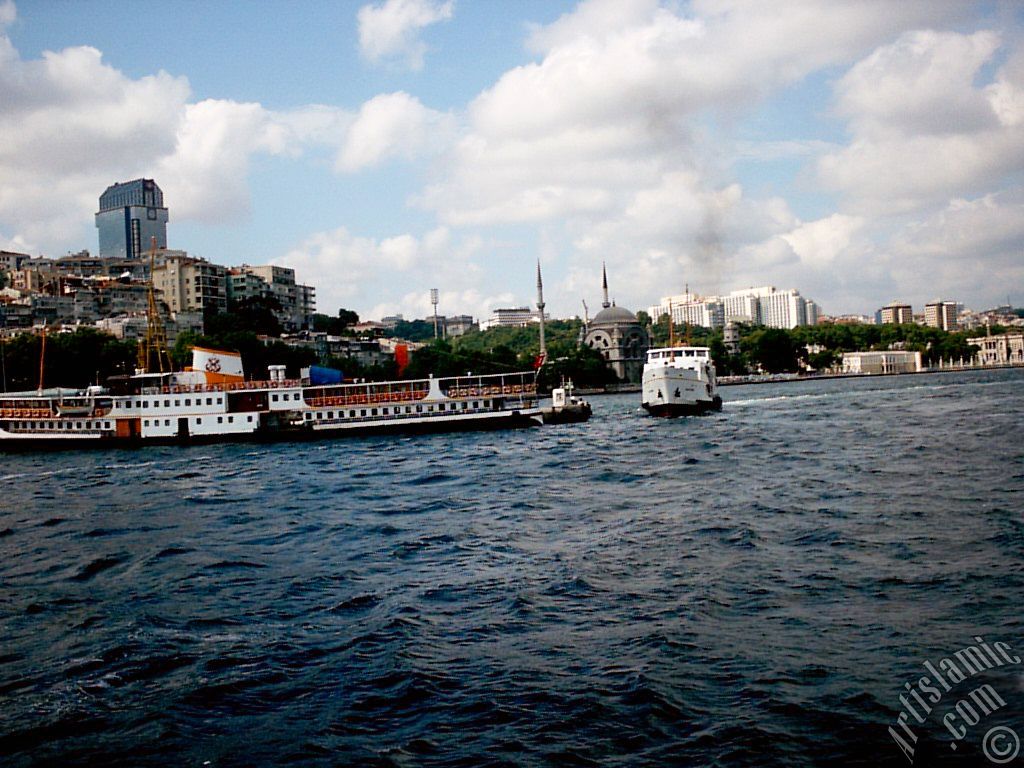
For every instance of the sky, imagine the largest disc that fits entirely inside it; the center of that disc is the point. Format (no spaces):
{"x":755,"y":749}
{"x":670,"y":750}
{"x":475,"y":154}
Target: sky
{"x":860,"y":152}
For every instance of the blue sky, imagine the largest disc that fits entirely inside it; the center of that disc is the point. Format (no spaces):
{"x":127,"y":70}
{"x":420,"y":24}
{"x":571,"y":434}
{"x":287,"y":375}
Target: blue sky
{"x":860,"y":152}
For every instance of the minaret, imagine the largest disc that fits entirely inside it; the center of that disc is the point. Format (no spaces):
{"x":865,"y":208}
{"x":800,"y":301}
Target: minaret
{"x":604,"y":282}
{"x":540,"y":308}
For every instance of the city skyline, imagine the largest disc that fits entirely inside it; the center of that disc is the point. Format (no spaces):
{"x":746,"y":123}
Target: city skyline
{"x":380,"y":149}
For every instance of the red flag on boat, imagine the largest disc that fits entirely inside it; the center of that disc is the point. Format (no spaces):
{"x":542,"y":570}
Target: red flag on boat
{"x":540,"y":360}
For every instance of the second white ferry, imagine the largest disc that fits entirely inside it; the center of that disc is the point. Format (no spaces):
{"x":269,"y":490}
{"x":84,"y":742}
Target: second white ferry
{"x":680,"y":381}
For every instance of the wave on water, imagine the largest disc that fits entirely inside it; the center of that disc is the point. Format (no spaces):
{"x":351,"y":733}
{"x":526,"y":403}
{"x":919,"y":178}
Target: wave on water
{"x":747,"y":589}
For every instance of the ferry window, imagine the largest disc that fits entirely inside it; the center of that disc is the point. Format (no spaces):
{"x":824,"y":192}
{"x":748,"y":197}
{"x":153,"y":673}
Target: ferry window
{"x":167,"y":422}
{"x":274,"y":398}
{"x":145,"y":423}
{"x":362,"y":412}
{"x":330,"y":414}
{"x":465,"y":406}
{"x":320,"y":415}
{"x":220,"y":419}
{"x":106,"y":425}
{"x":167,"y":403}
{"x":220,"y":400}
{"x":295,"y":396}
{"x":249,"y":419}
{"x":177,"y":403}
{"x":188,"y":401}
{"x":199,"y":421}
{"x":145,"y":403}
{"x":231,"y":419}
{"x":373,"y":411}
{"x":384,"y":411}
{"x":419,"y":409}
{"x":209,"y":401}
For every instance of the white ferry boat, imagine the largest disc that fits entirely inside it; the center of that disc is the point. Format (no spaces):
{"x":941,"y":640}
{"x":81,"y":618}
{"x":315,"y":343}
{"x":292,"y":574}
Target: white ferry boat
{"x":212,"y":402}
{"x":680,"y":381}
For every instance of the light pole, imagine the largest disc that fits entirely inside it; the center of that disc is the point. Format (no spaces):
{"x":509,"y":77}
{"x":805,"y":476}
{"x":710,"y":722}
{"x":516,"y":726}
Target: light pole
{"x":433,"y":300}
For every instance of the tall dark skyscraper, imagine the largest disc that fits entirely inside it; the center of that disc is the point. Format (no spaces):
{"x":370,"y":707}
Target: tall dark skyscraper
{"x":131,"y":214}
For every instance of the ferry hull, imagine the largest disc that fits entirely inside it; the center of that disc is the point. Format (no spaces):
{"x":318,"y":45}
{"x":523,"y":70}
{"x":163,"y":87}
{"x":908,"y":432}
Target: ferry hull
{"x":674,"y":410}
{"x":475,"y":423}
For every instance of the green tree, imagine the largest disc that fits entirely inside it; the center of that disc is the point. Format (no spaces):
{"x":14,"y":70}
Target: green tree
{"x":77,"y":359}
{"x":256,"y":314}
{"x":774,"y":350}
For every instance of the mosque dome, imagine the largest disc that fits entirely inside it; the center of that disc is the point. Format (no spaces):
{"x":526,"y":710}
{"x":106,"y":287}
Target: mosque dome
{"x":613,"y":315}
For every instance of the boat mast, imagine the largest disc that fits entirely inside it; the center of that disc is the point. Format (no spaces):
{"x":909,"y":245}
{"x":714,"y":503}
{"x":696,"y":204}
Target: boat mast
{"x":540,"y":309}
{"x":42,"y":360}
{"x":156,"y":336}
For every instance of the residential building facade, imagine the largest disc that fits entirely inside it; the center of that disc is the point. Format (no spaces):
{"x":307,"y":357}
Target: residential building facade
{"x":189,"y":284}
{"x":941,"y":314}
{"x":896,"y":313}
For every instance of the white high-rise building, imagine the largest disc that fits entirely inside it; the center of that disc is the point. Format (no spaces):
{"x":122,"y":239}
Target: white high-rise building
{"x":764,"y":306}
{"x":705,"y":311}
{"x":782,"y":309}
{"x":813,"y":311}
{"x":741,"y":307}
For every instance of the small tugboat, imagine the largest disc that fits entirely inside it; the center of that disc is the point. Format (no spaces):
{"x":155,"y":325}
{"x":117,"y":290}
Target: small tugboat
{"x":566,"y":408}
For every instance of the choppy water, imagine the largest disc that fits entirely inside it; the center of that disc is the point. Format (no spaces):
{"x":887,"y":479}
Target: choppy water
{"x":749,"y":588}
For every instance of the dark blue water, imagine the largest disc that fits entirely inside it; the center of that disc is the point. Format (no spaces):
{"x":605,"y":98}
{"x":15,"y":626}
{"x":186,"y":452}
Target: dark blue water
{"x":749,"y":588}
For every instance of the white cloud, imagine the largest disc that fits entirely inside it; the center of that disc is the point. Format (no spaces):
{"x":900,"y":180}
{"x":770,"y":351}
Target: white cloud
{"x":69,"y":127}
{"x":818,"y":243}
{"x":923,"y":130}
{"x":8,"y":13}
{"x":372,"y":275}
{"x":390,"y":30}
{"x":607,"y":133}
{"x":921,"y":84}
{"x":207,"y":174}
{"x":392,"y":124}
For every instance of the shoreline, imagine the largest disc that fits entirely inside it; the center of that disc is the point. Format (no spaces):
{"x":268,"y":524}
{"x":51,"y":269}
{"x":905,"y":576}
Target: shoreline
{"x":785,"y":378}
